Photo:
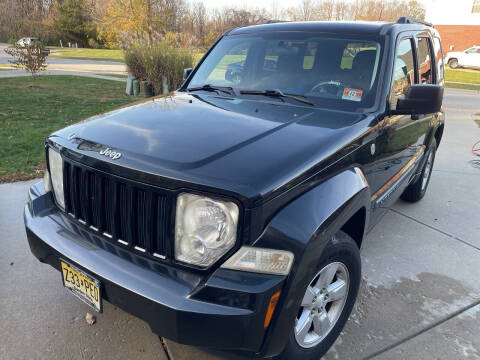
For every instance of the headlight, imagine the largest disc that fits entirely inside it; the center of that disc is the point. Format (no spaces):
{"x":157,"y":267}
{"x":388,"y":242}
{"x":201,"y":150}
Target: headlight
{"x":266,"y":261}
{"x":205,"y":229}
{"x":56,"y":175}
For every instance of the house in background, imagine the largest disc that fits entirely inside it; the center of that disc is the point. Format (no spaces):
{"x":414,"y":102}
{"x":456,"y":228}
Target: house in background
{"x":458,"y":22}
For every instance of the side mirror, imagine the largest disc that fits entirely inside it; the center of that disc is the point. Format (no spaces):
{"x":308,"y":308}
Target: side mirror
{"x":420,"y":99}
{"x":186,"y":73}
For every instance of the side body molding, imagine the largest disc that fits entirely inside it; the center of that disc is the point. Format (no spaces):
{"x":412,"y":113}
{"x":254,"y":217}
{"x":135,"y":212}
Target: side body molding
{"x":304,"y":227}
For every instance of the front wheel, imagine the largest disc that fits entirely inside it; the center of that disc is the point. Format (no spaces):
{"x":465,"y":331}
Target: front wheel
{"x":327,"y":302}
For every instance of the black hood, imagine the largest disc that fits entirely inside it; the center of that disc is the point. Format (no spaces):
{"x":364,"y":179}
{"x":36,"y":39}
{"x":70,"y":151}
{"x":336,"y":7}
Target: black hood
{"x":243,"y":146}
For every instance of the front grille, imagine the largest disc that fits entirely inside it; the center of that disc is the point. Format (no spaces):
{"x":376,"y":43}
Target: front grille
{"x":133,"y":215}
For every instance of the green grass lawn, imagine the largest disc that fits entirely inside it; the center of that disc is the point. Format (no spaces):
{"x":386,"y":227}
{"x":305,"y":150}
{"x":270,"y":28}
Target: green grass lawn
{"x":95,"y":54}
{"x":120,"y":76}
{"x":28,"y":114}
{"x":462,"y":86}
{"x":471,"y":77}
{"x":87,"y":54}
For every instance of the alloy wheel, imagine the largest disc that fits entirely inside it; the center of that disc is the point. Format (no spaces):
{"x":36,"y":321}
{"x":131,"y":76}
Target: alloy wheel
{"x":322,"y":305}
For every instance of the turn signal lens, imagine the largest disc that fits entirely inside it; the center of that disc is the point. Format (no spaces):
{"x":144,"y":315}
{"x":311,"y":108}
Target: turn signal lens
{"x":266,"y":261}
{"x":271,"y":308}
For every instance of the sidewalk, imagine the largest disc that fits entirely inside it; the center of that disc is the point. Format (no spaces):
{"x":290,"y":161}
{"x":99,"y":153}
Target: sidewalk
{"x":20,"y":72}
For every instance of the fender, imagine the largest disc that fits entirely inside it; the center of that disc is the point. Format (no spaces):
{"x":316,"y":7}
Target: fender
{"x":304,"y":227}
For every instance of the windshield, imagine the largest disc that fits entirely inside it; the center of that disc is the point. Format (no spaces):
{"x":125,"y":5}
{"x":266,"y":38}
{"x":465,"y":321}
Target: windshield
{"x":328,"y":70}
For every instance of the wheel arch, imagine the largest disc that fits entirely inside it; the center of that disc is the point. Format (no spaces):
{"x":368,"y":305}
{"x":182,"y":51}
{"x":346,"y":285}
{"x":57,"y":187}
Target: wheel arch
{"x":355,"y":226}
{"x":304,"y":227}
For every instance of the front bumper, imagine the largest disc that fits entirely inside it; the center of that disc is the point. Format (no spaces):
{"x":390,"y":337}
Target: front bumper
{"x":223,"y":310}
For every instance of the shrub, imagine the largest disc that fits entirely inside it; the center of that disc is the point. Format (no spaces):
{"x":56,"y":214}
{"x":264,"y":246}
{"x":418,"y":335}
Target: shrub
{"x":134,"y":58}
{"x":93,"y":44}
{"x":151,"y":63}
{"x":31,"y":57}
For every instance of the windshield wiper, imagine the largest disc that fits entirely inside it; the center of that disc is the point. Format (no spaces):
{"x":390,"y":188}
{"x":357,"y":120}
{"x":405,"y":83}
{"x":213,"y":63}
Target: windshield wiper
{"x":209,"y":87}
{"x":279,"y":94}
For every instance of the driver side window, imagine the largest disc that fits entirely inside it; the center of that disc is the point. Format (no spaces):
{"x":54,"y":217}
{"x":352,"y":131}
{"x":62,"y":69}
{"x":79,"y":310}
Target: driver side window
{"x":404,"y":69}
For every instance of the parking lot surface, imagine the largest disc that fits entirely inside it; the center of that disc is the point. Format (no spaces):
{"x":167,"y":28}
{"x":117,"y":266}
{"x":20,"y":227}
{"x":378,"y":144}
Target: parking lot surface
{"x":419,"y":299}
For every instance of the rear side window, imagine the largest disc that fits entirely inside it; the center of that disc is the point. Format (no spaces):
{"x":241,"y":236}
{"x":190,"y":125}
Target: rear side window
{"x":424,"y":61}
{"x":404,"y":70}
{"x":439,"y":60}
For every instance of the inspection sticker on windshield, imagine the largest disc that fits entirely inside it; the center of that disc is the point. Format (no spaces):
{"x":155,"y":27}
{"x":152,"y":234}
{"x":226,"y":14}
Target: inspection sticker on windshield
{"x":352,"y":94}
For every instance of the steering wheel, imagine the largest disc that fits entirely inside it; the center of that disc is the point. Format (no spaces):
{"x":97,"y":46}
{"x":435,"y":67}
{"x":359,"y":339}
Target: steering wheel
{"x":332,"y":87}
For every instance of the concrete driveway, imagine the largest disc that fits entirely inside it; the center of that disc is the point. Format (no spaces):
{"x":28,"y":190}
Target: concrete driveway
{"x":420,"y":296}
{"x":60,"y":66}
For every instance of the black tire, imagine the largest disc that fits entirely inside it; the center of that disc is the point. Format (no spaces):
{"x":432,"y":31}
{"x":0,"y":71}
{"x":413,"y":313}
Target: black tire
{"x":342,"y":248}
{"x":416,"y":191}
{"x":453,"y":63}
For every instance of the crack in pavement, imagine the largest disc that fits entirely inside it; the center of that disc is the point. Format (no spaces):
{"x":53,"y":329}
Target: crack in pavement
{"x":165,"y":348}
{"x":435,"y":229}
{"x":456,"y":172}
{"x":422,"y":331}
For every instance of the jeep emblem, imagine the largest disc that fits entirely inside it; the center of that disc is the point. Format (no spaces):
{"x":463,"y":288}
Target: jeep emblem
{"x":111,"y":154}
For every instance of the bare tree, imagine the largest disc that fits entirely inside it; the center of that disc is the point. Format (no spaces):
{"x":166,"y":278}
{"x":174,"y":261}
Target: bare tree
{"x":199,"y":15}
{"x":274,"y":10}
{"x":30,"y":57}
{"x":154,"y":20}
{"x":325,"y":10}
{"x":305,"y":12}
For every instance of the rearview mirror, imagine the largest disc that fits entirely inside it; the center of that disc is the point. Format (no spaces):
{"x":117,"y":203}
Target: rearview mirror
{"x":186,"y":73}
{"x":420,"y":99}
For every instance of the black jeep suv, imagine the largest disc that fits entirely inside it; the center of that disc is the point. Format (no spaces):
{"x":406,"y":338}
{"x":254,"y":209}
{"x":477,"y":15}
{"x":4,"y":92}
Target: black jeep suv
{"x":229,"y":215}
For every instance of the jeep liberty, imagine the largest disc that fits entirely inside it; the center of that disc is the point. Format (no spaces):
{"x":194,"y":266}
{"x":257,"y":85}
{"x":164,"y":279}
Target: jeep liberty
{"x":229,"y":215}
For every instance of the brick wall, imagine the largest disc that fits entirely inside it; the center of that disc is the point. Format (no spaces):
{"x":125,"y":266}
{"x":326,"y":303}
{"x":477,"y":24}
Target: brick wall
{"x":460,"y":36}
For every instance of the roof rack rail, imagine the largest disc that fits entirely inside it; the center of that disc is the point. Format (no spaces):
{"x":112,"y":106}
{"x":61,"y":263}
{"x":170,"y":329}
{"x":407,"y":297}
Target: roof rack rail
{"x":410,"y":20}
{"x":275,"y":21}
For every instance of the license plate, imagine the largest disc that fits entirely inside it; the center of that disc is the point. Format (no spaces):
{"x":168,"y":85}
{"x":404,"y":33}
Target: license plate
{"x":83,"y":286}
